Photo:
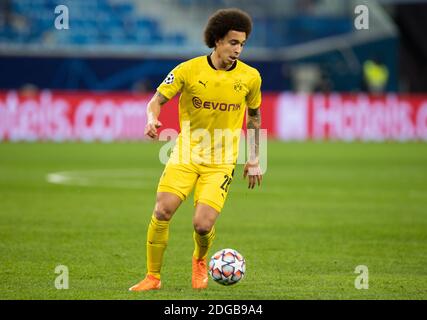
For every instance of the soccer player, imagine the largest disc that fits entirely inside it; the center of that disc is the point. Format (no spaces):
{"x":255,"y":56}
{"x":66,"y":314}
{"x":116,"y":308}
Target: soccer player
{"x":215,"y":92}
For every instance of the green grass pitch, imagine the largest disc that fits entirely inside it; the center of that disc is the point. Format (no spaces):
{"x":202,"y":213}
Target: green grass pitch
{"x":323,"y":209}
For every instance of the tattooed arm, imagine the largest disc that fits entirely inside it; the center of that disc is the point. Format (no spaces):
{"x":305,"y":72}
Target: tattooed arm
{"x":253,"y":125}
{"x":252,"y":168}
{"x":153,"y":112}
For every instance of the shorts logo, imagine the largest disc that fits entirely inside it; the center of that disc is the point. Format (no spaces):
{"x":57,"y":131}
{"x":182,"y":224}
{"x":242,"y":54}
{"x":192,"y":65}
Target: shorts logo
{"x":169,"y":79}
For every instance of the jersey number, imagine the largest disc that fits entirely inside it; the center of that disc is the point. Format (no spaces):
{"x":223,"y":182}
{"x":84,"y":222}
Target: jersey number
{"x":226,"y":183}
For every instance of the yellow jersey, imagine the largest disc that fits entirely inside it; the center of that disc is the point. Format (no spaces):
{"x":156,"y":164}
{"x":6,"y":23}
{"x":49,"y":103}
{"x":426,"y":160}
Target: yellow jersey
{"x":212,"y":106}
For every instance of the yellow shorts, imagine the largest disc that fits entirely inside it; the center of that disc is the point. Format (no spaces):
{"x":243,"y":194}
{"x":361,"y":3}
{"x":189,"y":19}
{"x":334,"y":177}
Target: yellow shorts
{"x":211,"y":182}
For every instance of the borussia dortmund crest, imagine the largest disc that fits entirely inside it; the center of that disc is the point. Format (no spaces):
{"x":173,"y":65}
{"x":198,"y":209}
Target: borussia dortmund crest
{"x":238,"y":85}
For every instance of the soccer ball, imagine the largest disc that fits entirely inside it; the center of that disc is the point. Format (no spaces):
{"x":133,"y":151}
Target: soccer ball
{"x":227,"y":267}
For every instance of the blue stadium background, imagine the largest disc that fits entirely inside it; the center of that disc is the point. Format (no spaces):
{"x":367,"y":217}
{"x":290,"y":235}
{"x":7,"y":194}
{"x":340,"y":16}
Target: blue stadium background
{"x":132,"y":45}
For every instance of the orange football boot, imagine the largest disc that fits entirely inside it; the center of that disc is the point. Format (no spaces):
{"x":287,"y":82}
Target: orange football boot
{"x":149,"y":283}
{"x":199,"y":279}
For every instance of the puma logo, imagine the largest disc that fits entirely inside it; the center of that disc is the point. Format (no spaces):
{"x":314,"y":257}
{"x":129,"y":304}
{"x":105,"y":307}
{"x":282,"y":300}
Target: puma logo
{"x":204,"y":84}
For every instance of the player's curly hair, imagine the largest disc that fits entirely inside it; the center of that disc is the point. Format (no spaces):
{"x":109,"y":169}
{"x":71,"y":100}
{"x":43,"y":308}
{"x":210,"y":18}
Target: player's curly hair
{"x":225,"y":20}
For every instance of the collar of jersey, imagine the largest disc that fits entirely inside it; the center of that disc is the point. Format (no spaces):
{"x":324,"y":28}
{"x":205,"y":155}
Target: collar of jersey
{"x":233,"y":66}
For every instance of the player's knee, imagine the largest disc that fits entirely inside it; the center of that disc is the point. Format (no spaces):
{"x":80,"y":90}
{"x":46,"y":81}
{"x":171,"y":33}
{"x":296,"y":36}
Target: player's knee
{"x":163,"y":212}
{"x":202,"y":228}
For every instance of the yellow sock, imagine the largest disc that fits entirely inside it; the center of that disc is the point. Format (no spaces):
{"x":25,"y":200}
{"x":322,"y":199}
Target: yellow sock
{"x":157,"y":240}
{"x":202,"y":243}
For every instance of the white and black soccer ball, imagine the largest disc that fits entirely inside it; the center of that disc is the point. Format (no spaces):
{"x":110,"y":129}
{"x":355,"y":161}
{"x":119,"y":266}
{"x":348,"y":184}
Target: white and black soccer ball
{"x":227,"y":267}
{"x":169,"y":79}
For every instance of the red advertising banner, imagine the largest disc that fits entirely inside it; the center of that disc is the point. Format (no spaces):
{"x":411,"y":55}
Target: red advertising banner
{"x":87,"y":116}
{"x":61,"y":116}
{"x":351,"y":117}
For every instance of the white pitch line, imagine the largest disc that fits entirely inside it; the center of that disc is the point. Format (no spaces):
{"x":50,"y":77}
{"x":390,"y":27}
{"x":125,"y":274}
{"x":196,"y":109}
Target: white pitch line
{"x":148,"y":178}
{"x":107,"y":178}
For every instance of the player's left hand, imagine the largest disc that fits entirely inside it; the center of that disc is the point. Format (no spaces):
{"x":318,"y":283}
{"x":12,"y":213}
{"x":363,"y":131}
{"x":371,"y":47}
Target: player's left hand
{"x":253,"y":172}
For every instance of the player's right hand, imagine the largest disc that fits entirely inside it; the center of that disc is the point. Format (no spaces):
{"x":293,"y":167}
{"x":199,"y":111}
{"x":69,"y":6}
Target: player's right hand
{"x":151,"y":128}
{"x":252,"y":170}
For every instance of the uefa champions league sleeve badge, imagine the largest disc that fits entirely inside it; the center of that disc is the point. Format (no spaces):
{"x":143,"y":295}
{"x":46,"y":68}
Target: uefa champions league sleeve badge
{"x":169,"y":79}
